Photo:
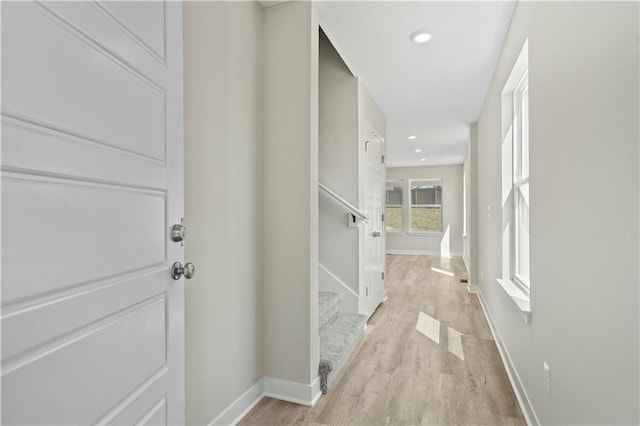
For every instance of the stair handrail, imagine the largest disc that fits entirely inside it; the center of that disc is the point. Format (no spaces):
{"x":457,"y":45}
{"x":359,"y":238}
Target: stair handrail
{"x":352,"y":209}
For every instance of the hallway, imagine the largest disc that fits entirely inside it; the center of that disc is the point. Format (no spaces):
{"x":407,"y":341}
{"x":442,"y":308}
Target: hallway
{"x":400,"y":376}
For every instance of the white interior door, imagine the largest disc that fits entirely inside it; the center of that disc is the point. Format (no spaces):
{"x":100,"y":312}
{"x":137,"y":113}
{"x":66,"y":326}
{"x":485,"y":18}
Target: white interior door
{"x":374,"y":230}
{"x":92,"y":322}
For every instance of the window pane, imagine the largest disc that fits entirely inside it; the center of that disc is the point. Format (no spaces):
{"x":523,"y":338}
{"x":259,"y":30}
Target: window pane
{"x":524,"y":149}
{"x":393,"y":213}
{"x":393,"y":218}
{"x":522,"y":233}
{"x":427,"y":219}
{"x":426,"y":205}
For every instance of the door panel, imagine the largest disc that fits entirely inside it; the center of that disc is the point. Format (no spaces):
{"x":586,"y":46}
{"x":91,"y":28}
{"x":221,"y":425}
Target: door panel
{"x":374,"y":229}
{"x":92,"y":368}
{"x":92,"y":176}
{"x":144,"y":21}
{"x":58,"y":64}
{"x":67,"y":213}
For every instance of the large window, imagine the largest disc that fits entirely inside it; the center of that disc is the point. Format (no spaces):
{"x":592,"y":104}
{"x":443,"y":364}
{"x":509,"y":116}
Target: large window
{"x":426,"y":205}
{"x":520,"y":189}
{"x":393,"y":215}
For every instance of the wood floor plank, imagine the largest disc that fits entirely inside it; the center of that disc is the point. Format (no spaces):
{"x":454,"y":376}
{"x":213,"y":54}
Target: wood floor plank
{"x":398,"y":376}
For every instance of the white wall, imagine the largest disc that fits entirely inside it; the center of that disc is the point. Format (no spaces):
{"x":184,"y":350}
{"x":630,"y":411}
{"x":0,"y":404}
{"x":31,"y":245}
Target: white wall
{"x":470,"y":243}
{"x":338,"y":159}
{"x":290,"y":196}
{"x":338,"y":123}
{"x":583,"y":84}
{"x":447,"y":243}
{"x":466,"y":218}
{"x":223,"y":137}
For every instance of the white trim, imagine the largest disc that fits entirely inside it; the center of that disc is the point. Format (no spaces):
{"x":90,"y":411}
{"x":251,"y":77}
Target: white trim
{"x":424,"y":253}
{"x":338,"y":280}
{"x":292,"y":391}
{"x":519,"y":297}
{"x":284,"y":390}
{"x":327,"y":281}
{"x":466,"y":265}
{"x":518,"y":388}
{"x":241,"y":406}
{"x":473,"y":288}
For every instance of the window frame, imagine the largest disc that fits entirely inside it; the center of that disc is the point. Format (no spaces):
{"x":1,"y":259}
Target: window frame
{"x":401,"y":205}
{"x":437,"y":182}
{"x":520,"y":177}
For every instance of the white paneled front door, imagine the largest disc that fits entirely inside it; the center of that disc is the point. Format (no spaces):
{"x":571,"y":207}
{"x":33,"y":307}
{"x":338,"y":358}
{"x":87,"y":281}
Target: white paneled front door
{"x":374,"y":186}
{"x":92,"y":175}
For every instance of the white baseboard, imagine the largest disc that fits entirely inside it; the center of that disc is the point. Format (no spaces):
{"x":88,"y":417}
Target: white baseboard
{"x":521,"y":394}
{"x":423,"y":253}
{"x":466,"y":265}
{"x":241,"y":406}
{"x":292,"y":391}
{"x":275,"y":388}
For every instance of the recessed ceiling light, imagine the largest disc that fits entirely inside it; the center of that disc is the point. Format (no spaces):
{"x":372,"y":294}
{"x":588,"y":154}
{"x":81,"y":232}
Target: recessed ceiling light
{"x":417,"y":150}
{"x":412,"y":137}
{"x":420,"y":36}
{"x":422,"y":159}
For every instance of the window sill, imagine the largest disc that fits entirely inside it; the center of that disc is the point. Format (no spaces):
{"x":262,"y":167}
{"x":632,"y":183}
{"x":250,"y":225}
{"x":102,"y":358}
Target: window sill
{"x":425,"y":233}
{"x":519,"y":297}
{"x":394,"y":232}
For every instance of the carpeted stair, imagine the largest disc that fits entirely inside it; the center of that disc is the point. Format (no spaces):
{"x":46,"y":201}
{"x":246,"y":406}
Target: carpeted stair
{"x":340,"y":333}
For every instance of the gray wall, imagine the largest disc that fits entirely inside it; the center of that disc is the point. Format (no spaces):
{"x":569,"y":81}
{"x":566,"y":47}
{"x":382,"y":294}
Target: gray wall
{"x":347,"y":114}
{"x":583,"y":83}
{"x":290,"y":197}
{"x":450,"y":241}
{"x":470,"y":242}
{"x":338,"y":123}
{"x":223,"y":138}
{"x":338,"y":159}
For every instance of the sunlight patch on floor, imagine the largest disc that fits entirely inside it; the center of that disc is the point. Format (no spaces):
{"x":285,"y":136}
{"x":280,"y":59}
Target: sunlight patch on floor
{"x":443,"y":272}
{"x":429,"y":326}
{"x":455,"y":342}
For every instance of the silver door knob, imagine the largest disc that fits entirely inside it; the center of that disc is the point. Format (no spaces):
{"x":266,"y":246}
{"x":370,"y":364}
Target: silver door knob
{"x":377,"y":233}
{"x":178,"y":232}
{"x":188,"y":270}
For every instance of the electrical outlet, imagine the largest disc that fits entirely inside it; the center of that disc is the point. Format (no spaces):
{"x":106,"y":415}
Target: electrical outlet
{"x":547,"y":378}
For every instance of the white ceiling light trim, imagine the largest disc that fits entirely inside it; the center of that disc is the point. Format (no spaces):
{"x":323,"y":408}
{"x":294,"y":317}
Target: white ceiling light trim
{"x":420,"y":36}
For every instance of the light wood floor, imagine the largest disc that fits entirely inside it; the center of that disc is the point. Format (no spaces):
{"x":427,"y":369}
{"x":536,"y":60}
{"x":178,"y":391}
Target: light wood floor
{"x":398,"y":376}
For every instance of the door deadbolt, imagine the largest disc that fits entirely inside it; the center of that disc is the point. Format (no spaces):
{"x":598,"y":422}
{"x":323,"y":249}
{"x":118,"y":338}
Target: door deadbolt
{"x":377,"y":233}
{"x":188,"y":270}
{"x":178,"y":232}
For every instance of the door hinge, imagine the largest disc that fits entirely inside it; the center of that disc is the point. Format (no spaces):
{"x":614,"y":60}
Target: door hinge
{"x":367,"y":291}
{"x":383,"y":217}
{"x":383,"y":275}
{"x":383,"y":159}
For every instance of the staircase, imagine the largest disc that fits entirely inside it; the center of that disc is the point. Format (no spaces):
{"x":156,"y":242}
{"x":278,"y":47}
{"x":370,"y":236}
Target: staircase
{"x":340,"y":333}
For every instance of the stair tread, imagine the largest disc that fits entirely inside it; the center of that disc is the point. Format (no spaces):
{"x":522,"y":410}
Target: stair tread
{"x":338,"y":338}
{"x":340,"y":333}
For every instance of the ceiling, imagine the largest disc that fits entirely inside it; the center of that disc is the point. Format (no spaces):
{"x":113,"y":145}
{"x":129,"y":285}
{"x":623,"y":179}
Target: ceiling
{"x":431,"y":90}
